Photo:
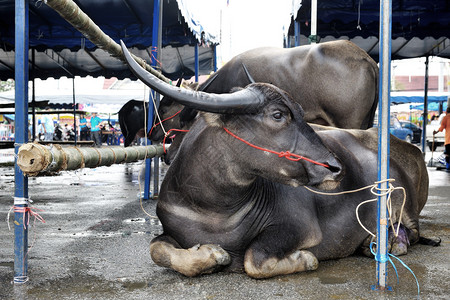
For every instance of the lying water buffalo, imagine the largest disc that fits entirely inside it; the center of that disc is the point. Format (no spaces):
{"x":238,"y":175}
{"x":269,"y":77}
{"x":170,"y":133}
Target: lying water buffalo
{"x":230,"y":199}
{"x":328,"y":80}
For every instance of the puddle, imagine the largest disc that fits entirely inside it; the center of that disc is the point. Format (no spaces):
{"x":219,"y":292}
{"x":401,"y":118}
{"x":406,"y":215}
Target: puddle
{"x":332,"y":280}
{"x":134,"y":220}
{"x":9,"y":264}
{"x":151,"y":221}
{"x":90,"y":183}
{"x":135,"y":285}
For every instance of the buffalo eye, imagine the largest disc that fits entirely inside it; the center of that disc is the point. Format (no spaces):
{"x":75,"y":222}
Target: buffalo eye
{"x":277,"y":116}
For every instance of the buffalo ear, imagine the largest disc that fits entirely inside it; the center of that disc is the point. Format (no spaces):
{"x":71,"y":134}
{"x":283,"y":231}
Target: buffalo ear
{"x":167,"y":101}
{"x":208,"y":82}
{"x":247,"y":73}
{"x":187,"y":115}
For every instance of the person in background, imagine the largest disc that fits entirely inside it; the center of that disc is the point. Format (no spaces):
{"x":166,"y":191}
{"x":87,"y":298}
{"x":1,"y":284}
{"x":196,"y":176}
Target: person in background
{"x":84,"y":129}
{"x":41,"y":135}
{"x":435,"y":120}
{"x":96,"y":135}
{"x":445,"y":124}
{"x":48,"y":126}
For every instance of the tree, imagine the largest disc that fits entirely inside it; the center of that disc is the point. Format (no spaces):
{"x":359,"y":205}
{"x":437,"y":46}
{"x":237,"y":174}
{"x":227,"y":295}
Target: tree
{"x":6,"y":85}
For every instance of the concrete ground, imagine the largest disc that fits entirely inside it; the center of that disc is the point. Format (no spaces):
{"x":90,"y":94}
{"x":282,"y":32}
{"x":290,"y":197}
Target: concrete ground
{"x":94,"y":244}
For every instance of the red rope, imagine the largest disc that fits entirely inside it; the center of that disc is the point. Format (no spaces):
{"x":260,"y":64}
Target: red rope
{"x":285,"y":154}
{"x":155,"y":49}
{"x":31,"y":213}
{"x":167,"y":134}
{"x":168,"y":118}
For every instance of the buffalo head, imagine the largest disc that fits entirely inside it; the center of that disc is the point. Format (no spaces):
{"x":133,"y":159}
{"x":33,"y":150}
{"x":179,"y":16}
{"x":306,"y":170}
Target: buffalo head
{"x":261,"y":117}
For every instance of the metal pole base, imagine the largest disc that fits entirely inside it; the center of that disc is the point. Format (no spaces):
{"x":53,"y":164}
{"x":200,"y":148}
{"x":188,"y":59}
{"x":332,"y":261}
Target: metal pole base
{"x":376,"y":287}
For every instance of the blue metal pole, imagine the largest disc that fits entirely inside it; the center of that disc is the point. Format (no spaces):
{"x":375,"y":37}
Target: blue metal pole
{"x":196,"y":61}
{"x":381,"y":256}
{"x":21,"y":137}
{"x":155,"y":50}
{"x":157,"y":100}
{"x":425,"y":108}
{"x":297,"y":33}
{"x":214,"y":58}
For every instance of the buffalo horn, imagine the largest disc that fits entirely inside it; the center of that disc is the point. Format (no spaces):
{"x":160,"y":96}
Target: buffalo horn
{"x":238,"y":102}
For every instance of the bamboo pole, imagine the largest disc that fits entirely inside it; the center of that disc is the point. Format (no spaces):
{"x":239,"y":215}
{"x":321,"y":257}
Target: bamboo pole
{"x":34,"y":158}
{"x":70,"y":12}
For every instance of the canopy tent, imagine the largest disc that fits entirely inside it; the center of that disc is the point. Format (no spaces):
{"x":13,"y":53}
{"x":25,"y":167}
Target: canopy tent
{"x":419,"y":28}
{"x":405,"y":107}
{"x":59,"y":96}
{"x":60,"y":50}
{"x":433,"y":106}
{"x":407,"y":97}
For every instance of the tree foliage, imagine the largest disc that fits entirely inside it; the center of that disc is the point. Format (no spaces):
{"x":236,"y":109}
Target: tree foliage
{"x":6,"y":85}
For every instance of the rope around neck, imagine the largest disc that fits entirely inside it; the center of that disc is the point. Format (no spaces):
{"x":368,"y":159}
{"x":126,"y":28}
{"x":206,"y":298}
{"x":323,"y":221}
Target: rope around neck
{"x":161,"y":121}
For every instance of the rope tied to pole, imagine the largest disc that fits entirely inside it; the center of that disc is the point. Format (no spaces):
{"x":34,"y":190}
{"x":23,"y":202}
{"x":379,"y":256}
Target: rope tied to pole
{"x":375,"y":190}
{"x":31,"y":212}
{"x":155,"y":50}
{"x":27,"y":211}
{"x":388,"y":259}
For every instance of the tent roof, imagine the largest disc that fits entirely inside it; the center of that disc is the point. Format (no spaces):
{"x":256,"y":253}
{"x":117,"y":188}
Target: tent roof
{"x":409,"y":97}
{"x":62,"y":51}
{"x":419,"y":27}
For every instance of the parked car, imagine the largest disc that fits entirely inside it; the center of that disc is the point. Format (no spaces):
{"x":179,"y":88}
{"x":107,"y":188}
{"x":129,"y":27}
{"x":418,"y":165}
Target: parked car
{"x":399,"y":131}
{"x":417,"y":131}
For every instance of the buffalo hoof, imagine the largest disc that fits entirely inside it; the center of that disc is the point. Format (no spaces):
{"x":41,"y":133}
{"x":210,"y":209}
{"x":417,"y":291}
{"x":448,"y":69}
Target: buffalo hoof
{"x":311,"y":261}
{"x":298,"y":261}
{"x":400,"y":243}
{"x":191,"y":262}
{"x":221,"y":257}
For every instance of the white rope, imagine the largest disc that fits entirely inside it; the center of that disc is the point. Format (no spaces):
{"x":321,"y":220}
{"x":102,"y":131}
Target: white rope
{"x":377,"y":192}
{"x":155,"y":109}
{"x":146,"y":150}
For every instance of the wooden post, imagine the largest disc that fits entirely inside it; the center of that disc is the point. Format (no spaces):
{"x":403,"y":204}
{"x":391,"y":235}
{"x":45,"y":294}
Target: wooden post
{"x":34,"y":158}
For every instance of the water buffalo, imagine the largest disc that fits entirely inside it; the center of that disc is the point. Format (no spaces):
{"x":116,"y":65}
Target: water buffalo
{"x":132,"y":110}
{"x":231,"y":198}
{"x":328,"y":80}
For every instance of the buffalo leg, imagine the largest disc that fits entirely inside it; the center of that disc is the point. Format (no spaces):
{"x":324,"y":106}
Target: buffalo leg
{"x":194,"y":261}
{"x":269,"y":256}
{"x":397,"y":245}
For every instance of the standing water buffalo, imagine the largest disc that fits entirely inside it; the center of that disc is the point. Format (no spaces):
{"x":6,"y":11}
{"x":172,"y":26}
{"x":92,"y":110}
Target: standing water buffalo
{"x":231,"y":198}
{"x":328,"y":80}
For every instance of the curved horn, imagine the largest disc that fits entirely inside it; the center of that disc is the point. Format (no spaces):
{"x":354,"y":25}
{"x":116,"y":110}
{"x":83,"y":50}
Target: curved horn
{"x":238,"y":102}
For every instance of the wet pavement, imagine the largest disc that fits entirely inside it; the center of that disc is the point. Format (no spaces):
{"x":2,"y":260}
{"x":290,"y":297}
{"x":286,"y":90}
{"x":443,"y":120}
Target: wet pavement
{"x":94,"y":244}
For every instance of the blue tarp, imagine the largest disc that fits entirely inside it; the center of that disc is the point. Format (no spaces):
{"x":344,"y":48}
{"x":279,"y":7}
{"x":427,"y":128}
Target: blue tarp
{"x":63,"y":51}
{"x":419,"y":27}
{"x":433,"y":106}
{"x":419,"y":99}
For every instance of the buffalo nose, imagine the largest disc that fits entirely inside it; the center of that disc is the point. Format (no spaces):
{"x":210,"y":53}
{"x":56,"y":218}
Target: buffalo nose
{"x":334,"y":169}
{"x":335,"y":166}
